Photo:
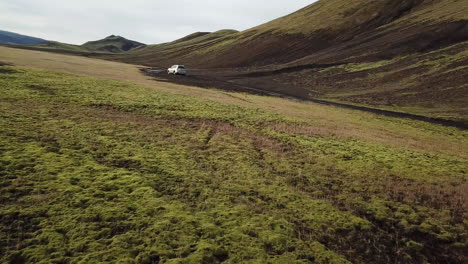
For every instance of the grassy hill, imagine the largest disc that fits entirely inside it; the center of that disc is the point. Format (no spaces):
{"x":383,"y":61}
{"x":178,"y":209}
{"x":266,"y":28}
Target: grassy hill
{"x":429,"y":83}
{"x":112,"y":44}
{"x":387,"y":27}
{"x":404,"y":55}
{"x":7,"y":37}
{"x":178,"y":50}
{"x":107,"y":166}
{"x":59,"y":46}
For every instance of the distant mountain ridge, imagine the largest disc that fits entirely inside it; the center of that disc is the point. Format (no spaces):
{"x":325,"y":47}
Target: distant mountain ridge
{"x":7,"y":37}
{"x":111,"y":44}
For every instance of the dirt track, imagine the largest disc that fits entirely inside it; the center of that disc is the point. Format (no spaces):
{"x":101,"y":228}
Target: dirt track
{"x":207,"y":81}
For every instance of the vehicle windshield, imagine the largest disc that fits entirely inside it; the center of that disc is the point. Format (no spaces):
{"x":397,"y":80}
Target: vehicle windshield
{"x":181,"y":67}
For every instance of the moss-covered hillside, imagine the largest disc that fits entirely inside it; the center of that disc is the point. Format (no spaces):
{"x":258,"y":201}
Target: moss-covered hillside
{"x":178,"y":51}
{"x":100,"y":171}
{"x":329,"y":30}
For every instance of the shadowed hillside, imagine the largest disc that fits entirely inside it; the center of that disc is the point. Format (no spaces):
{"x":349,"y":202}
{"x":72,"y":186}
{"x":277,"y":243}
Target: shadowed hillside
{"x":404,"y":55}
{"x":329,"y":31}
{"x":179,"y":50}
{"x":14,"y":38}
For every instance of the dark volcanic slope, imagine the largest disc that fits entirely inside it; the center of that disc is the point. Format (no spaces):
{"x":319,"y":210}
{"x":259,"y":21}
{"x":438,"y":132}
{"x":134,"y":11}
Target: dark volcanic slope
{"x":183,"y":50}
{"x":14,"y":38}
{"x":405,"y":55}
{"x":330,"y":30}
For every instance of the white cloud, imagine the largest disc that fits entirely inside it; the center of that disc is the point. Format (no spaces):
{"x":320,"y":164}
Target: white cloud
{"x":142,"y":20}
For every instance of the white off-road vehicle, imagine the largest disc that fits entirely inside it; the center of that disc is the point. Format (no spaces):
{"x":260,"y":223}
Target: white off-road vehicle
{"x":177,"y":69}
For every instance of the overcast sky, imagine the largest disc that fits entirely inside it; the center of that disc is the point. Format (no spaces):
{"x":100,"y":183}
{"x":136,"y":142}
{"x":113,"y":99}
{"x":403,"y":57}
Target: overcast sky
{"x":148,"y":21}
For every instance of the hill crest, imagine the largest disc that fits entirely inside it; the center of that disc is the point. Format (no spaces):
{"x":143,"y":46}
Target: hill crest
{"x":113,"y":44}
{"x":12,"y":38}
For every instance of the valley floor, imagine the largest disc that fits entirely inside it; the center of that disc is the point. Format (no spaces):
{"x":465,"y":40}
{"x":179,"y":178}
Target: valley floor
{"x":211,"y":81}
{"x":101,"y":164}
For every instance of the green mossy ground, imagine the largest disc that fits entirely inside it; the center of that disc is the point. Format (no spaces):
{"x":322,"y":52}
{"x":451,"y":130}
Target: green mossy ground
{"x":97,"y":171}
